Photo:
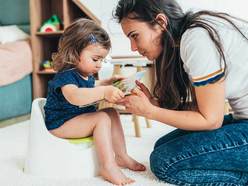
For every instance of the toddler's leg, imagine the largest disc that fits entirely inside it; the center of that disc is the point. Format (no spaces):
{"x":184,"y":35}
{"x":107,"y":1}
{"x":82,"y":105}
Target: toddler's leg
{"x":98,"y":124}
{"x":121,"y":156}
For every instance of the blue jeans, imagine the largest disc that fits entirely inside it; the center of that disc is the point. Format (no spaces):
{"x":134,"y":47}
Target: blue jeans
{"x":205,"y":158}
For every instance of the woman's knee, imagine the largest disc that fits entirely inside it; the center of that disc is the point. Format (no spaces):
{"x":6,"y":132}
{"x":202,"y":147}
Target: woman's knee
{"x":164,"y":167}
{"x":164,"y":139}
{"x":164,"y":162}
{"x":170,"y":136}
{"x":158,"y":165}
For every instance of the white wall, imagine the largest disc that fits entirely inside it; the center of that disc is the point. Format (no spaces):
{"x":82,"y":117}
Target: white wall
{"x":235,"y":7}
{"x":120,"y":44}
{"x":103,"y":9}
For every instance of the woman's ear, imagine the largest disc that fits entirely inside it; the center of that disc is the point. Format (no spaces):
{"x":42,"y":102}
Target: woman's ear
{"x":161,"y":19}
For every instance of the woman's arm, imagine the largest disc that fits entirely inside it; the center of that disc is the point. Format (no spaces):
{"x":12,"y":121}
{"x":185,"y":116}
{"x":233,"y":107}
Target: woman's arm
{"x":210,"y":101}
{"x":84,"y":96}
{"x":146,"y":91}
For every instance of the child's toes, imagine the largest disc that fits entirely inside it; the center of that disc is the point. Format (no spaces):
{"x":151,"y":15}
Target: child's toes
{"x":128,"y":181}
{"x":139,"y":167}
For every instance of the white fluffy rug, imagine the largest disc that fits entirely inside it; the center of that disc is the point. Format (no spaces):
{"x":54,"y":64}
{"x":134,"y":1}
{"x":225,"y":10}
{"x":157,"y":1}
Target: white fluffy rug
{"x":13,"y":145}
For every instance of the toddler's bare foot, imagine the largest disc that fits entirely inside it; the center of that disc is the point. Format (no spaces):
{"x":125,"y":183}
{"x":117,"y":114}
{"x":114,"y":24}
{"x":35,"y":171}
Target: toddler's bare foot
{"x":113,"y":174}
{"x":128,"y":162}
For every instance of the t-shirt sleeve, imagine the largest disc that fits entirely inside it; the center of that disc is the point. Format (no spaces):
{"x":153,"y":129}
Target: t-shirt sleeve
{"x":63,"y":78}
{"x":202,"y":61}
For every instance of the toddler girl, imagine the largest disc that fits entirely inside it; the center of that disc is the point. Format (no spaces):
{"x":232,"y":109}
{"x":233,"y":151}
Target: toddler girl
{"x":70,"y":111}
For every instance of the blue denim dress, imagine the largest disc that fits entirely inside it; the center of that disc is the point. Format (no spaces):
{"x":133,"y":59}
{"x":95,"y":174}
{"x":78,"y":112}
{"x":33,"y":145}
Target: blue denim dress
{"x":205,"y":158}
{"x":57,"y":109}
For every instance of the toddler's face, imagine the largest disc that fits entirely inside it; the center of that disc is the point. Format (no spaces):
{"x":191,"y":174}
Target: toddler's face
{"x":91,"y":58}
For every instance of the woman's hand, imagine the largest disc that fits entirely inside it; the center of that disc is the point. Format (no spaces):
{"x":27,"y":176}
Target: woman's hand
{"x":137,"y":103}
{"x":146,"y":91}
{"x":113,"y":94}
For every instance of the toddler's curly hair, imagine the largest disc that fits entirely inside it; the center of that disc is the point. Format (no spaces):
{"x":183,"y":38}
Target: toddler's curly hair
{"x":75,"y":38}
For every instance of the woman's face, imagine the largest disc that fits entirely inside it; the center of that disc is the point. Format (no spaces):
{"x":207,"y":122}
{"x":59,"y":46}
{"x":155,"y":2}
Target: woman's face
{"x":144,"y":38}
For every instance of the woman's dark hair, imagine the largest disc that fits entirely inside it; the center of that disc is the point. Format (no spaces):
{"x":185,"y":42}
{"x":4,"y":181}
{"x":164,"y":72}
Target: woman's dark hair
{"x":173,"y":87}
{"x":75,"y":38}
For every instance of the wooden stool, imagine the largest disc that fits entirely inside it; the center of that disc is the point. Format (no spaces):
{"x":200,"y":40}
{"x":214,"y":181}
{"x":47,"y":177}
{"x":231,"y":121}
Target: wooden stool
{"x":138,"y":63}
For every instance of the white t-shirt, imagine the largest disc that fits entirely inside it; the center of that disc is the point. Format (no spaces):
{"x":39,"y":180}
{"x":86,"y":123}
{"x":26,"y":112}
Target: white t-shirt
{"x":202,"y":61}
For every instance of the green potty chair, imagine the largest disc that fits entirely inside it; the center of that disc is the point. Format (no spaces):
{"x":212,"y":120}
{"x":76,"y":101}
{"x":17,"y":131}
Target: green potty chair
{"x":52,"y":157}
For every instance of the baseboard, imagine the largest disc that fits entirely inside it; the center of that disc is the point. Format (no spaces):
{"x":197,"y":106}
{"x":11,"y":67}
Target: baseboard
{"x":12,"y":121}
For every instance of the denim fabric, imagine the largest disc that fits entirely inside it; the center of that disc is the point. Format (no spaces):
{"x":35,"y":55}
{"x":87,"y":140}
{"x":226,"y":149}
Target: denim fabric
{"x":205,"y":158}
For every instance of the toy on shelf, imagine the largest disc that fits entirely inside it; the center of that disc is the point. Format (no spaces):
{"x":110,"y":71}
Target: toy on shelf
{"x":53,"y":24}
{"x":47,"y":65}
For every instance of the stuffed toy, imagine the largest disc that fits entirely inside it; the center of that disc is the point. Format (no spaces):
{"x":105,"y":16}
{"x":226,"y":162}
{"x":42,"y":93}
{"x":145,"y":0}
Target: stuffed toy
{"x":53,"y":24}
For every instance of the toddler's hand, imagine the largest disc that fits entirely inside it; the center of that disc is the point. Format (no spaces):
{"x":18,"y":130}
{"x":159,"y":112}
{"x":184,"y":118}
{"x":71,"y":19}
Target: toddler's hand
{"x":113,"y":94}
{"x":111,"y":80}
{"x":116,"y":78}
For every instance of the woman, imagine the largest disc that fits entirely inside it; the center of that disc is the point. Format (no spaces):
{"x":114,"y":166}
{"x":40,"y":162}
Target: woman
{"x":200,"y":59}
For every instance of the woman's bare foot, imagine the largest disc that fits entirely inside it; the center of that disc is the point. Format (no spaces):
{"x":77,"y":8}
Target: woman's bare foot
{"x":128,"y":162}
{"x":113,"y":174}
